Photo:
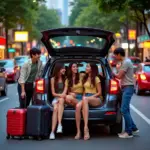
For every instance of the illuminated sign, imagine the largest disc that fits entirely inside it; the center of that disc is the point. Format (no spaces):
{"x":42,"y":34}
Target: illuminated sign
{"x":132,"y":34}
{"x":21,"y":36}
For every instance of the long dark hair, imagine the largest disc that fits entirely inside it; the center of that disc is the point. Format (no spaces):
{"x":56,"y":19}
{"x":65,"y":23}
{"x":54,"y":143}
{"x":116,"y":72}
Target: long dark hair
{"x":69,"y":76}
{"x":57,"y":69}
{"x":94,"y":73}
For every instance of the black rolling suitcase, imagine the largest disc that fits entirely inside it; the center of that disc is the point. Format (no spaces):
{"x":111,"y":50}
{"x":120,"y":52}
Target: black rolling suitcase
{"x":38,"y":121}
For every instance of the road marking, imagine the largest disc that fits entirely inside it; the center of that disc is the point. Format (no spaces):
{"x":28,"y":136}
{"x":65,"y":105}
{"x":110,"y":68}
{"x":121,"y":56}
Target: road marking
{"x":4,"y":99}
{"x":140,"y":114}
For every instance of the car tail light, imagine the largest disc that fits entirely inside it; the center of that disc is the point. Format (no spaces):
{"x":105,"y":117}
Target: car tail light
{"x":114,"y":86}
{"x":142,"y":77}
{"x":40,"y":86}
{"x":110,"y":61}
{"x":110,"y":113}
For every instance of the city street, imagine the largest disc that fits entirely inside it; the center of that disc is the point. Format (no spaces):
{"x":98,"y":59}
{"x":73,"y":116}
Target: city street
{"x":100,"y":139}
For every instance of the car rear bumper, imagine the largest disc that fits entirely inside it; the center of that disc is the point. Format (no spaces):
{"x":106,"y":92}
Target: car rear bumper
{"x":10,"y":78}
{"x":144,"y":85}
{"x":105,"y":116}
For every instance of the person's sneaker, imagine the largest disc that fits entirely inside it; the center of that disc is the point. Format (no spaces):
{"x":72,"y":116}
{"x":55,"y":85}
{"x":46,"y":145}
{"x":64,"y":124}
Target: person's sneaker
{"x":121,"y":133}
{"x":59,"y":128}
{"x":135,"y":131}
{"x":52,"y":136}
{"x":125,"y":135}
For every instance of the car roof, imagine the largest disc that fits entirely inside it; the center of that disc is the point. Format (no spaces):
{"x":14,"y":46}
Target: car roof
{"x":6,"y":60}
{"x":21,"y":56}
{"x":133,"y":57}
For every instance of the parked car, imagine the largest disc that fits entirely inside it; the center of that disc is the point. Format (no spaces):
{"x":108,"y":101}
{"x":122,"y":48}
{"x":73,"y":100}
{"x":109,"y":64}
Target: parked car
{"x":112,"y":60}
{"x":109,"y":112}
{"x":142,"y":78}
{"x":20,"y":60}
{"x":43,"y":58}
{"x":135,"y":60}
{"x":3,"y":84}
{"x":18,"y":63}
{"x":8,"y":65}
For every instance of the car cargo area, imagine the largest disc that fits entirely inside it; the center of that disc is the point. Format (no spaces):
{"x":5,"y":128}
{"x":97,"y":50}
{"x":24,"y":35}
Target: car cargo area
{"x":81,"y":69}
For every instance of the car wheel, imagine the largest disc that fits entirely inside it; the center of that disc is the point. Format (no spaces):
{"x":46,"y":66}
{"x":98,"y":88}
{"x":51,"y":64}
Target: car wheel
{"x":4,"y":92}
{"x":137,"y":90}
{"x":116,"y":128}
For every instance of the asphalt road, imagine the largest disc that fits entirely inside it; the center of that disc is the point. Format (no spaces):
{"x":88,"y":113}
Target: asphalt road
{"x":100,"y":138}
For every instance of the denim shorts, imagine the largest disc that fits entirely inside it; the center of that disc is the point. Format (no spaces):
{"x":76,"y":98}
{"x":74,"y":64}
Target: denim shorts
{"x":54,"y":101}
{"x":91,"y":94}
{"x":79,"y":97}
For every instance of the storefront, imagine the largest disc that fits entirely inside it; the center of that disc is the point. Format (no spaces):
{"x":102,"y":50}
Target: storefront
{"x":2,"y":47}
{"x":144,"y":46}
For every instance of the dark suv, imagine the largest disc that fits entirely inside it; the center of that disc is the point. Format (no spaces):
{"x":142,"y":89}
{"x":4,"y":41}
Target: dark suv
{"x":82,"y":45}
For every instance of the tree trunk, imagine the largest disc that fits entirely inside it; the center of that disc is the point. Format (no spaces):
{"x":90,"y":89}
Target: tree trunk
{"x":145,"y":23}
{"x":127,"y":28}
{"x":6,"y":52}
{"x":136,"y":42}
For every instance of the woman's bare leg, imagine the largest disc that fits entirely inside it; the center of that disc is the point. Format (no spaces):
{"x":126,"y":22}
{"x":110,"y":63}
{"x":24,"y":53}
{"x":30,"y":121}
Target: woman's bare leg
{"x":78,"y":119}
{"x":54,"y":117}
{"x":70,"y":100}
{"x":60,"y":109}
{"x":93,"y":101}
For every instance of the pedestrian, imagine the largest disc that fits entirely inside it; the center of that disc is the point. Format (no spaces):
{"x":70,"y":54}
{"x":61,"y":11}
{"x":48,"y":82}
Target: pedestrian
{"x":75,"y":93}
{"x":59,"y":90}
{"x":146,"y":59}
{"x":29,"y":72}
{"x":125,"y":75}
{"x":92,"y":94}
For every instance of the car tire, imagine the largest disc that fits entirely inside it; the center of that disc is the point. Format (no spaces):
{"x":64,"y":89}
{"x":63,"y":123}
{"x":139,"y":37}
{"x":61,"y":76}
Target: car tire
{"x":116,"y":128}
{"x":137,"y":90}
{"x":4,"y":92}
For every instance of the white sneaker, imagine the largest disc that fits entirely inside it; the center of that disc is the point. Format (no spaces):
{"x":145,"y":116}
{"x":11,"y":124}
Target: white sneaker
{"x":135,"y":132}
{"x":52,"y":136}
{"x":59,"y":128}
{"x":125,"y":135}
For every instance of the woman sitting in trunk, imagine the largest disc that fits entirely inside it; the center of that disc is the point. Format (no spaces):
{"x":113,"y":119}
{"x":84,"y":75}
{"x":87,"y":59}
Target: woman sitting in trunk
{"x":75,"y":90}
{"x":92,"y":94}
{"x":59,"y":90}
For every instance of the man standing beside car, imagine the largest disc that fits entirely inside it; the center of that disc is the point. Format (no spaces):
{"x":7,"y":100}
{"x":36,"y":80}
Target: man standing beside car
{"x":30,"y":71}
{"x":125,"y":74}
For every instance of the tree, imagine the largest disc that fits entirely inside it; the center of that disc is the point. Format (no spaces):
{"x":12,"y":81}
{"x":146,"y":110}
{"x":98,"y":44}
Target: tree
{"x":17,"y":12}
{"x":78,"y":5}
{"x":90,"y":16}
{"x":47,"y":19}
{"x":138,"y":10}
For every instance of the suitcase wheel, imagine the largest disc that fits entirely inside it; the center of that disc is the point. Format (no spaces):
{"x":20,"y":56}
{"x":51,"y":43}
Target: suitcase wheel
{"x":8,"y":137}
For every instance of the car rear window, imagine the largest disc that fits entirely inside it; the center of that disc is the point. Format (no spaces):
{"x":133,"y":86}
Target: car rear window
{"x":20,"y":60}
{"x":6,"y":64}
{"x":135,"y":61}
{"x":79,"y":41}
{"x":147,"y":68}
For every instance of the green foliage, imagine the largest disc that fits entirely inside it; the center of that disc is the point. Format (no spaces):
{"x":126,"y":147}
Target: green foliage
{"x":137,"y":10}
{"x":78,"y":6}
{"x":47,"y":19}
{"x":90,"y":16}
{"x":15,"y":12}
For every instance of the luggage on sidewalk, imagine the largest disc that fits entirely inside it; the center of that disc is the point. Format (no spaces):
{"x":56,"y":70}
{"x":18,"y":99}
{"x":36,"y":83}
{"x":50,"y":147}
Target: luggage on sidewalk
{"x":16,"y":122}
{"x":38,"y":121}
